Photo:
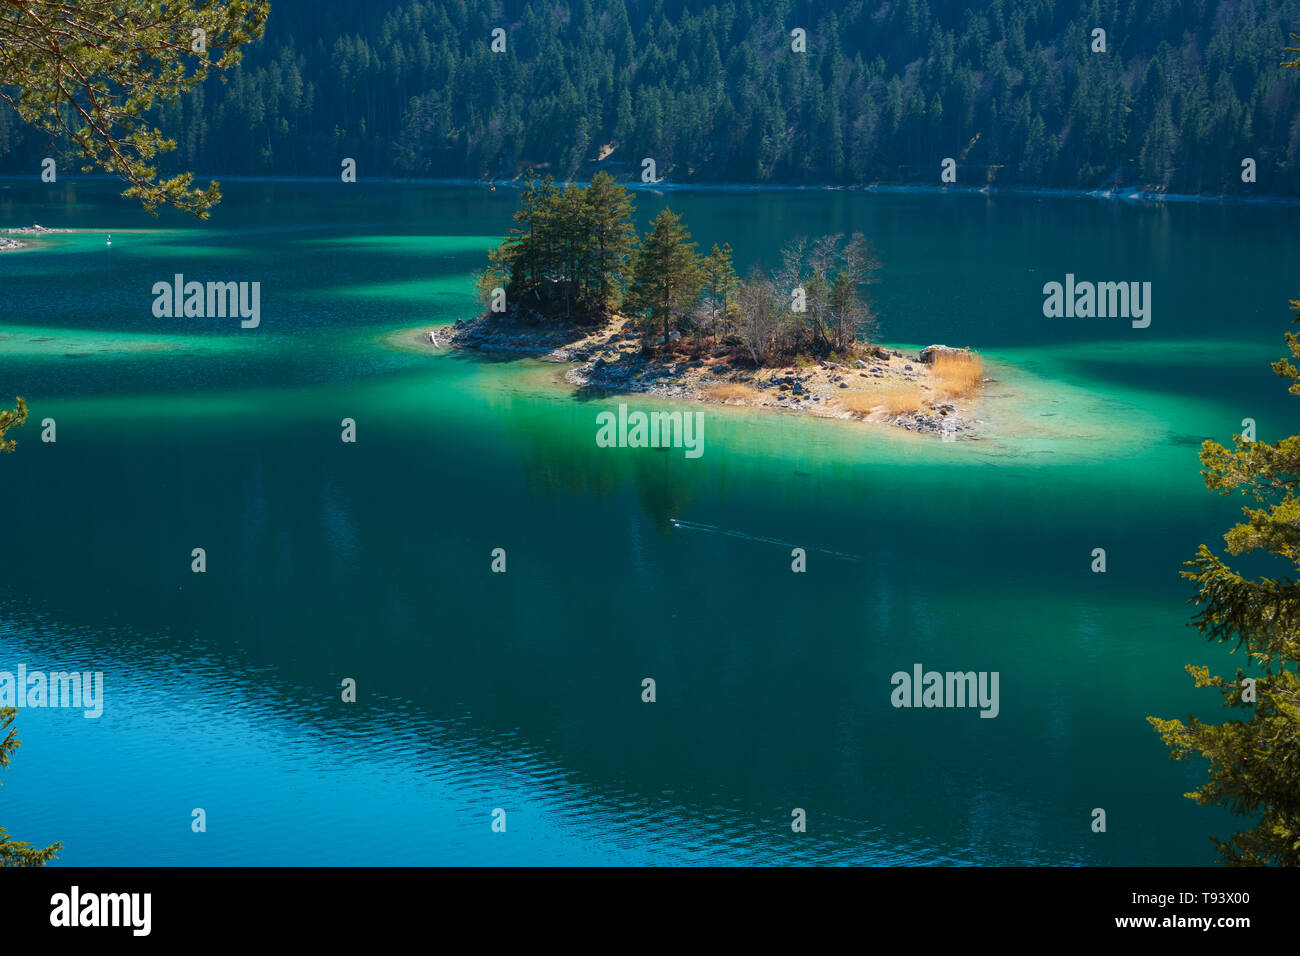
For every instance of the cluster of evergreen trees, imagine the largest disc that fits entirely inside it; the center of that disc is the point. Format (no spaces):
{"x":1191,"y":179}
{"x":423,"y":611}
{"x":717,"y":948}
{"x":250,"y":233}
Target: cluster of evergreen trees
{"x":713,"y":91}
{"x":574,"y":255}
{"x":569,"y":251}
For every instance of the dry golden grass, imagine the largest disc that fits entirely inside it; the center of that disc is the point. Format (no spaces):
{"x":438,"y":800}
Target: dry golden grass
{"x":901,"y":397}
{"x":733,"y":392}
{"x":896,"y":398}
{"x":957,"y":374}
{"x":861,"y":404}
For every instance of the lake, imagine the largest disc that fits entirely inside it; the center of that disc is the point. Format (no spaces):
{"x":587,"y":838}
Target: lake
{"x":522,"y":691}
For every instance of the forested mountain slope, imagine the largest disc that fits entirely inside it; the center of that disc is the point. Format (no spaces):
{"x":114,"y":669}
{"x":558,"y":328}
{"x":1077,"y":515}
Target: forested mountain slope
{"x":714,"y":92}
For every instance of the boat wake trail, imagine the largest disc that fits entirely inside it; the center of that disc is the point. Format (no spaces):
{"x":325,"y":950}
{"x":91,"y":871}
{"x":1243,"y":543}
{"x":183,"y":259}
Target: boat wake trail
{"x":714,"y":529}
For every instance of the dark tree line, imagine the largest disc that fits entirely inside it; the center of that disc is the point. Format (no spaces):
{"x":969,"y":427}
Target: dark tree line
{"x":1012,"y":90}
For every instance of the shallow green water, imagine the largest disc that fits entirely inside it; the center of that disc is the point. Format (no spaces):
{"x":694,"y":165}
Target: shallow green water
{"x":522,"y":690}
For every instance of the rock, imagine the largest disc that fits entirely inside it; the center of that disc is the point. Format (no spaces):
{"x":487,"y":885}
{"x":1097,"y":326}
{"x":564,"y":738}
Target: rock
{"x":844,"y":384}
{"x":930,"y":351}
{"x":907,"y":368}
{"x":858,"y":363}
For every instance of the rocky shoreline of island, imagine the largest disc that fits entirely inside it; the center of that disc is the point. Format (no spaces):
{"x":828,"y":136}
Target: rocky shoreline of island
{"x":912,"y":391}
{"x":8,"y":244}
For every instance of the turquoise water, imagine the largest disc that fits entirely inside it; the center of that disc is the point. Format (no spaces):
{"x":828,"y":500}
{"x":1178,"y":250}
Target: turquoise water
{"x":522,"y":691}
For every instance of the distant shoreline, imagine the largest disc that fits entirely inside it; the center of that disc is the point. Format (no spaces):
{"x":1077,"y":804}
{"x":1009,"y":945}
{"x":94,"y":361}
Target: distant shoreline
{"x":1136,"y":195}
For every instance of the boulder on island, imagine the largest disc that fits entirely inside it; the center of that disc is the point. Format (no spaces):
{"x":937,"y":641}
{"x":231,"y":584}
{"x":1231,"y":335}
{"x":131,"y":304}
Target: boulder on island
{"x":930,"y":351}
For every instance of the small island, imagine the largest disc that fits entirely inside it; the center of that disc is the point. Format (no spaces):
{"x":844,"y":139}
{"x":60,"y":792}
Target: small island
{"x":574,"y":283}
{"x":36,"y":229}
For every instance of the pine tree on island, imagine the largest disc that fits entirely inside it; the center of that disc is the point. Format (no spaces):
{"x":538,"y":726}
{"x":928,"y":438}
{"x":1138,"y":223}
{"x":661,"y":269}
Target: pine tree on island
{"x":667,"y":279}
